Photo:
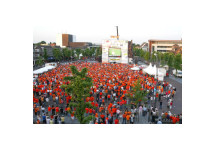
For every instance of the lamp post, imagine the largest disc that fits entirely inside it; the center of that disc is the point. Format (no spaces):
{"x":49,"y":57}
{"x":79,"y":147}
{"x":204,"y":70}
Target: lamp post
{"x":156,"y":78}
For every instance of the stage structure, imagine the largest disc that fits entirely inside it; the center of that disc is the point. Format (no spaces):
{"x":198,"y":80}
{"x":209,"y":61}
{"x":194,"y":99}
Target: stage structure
{"x":115,"y":51}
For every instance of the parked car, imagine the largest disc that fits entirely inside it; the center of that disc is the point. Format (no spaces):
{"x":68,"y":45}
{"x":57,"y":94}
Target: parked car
{"x":178,"y":74}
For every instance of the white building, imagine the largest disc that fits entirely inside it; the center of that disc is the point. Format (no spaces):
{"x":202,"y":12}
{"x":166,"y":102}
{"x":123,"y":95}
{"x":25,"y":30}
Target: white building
{"x":163,"y":45}
{"x":63,"y":40}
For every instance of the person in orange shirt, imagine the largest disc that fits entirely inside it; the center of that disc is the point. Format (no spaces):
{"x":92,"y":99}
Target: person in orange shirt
{"x":128,"y":119}
{"x":124,"y":119}
{"x":96,"y":115}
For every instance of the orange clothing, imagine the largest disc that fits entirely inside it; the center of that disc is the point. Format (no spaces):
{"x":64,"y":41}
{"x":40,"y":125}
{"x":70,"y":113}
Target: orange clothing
{"x":128,"y":117}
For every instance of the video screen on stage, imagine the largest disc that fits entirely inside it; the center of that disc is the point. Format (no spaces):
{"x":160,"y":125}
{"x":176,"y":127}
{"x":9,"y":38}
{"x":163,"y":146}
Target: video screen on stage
{"x":114,"y":52}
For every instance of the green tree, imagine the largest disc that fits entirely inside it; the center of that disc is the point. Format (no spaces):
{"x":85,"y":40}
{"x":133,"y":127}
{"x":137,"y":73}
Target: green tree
{"x":79,"y":89}
{"x":66,"y":53}
{"x":73,"y":53}
{"x":78,"y":52}
{"x":98,"y":51}
{"x":166,"y":57}
{"x":137,"y":93}
{"x":45,"y":56}
{"x":159,"y":57}
{"x":162,"y":59}
{"x":142,"y":53}
{"x":178,"y":62}
{"x":171,"y":60}
{"x":93,"y":51}
{"x":57,"y":54}
{"x":42,"y":42}
{"x":146,"y":56}
{"x":39,"y":61}
{"x":153,"y":57}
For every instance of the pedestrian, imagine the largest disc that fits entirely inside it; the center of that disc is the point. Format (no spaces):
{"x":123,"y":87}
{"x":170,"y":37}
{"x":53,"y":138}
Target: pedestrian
{"x":62,"y":119}
{"x":51,"y":121}
{"x":55,"y":119}
{"x":159,"y":121}
{"x":132,"y":119}
{"x":161,"y":104}
{"x":128,"y":118}
{"x":44,"y":119}
{"x":49,"y":110}
{"x":116,"y":121}
{"x":144,"y":110}
{"x":57,"y":110}
{"x":47,"y":120}
{"x":53,"y":110}
{"x":124,"y":119}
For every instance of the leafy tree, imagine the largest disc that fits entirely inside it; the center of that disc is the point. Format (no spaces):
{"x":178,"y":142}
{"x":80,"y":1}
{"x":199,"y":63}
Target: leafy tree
{"x":153,"y":57}
{"x":57,"y":54}
{"x":45,"y":56}
{"x":142,"y":53}
{"x":66,"y":53}
{"x":42,"y":42}
{"x":162,"y":59}
{"x":170,"y":60}
{"x":146,"y":56}
{"x":73,"y":53}
{"x":79,"y":89}
{"x":137,"y":52}
{"x":78,"y":52}
{"x":159,"y":57}
{"x":178,"y":62}
{"x":137,"y":93}
{"x":39,"y":61}
{"x":93,"y":51}
{"x":98,"y":51}
{"x":166,"y":57}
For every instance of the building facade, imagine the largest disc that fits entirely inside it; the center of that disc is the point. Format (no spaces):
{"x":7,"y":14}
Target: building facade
{"x":38,"y":51}
{"x":63,"y":40}
{"x":162,"y":45}
{"x":80,"y":45}
{"x":144,"y":46}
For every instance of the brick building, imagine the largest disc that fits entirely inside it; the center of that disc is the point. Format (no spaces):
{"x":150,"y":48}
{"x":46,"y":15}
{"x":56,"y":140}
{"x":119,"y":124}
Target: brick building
{"x":63,"y":40}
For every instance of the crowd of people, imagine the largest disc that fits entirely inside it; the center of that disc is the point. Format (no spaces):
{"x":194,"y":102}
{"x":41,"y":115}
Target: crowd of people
{"x":109,"y":94}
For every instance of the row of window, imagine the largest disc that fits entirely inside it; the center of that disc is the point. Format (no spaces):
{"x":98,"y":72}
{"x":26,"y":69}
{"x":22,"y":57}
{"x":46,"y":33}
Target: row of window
{"x":162,"y":50}
{"x":169,"y":42}
{"x":164,"y":46}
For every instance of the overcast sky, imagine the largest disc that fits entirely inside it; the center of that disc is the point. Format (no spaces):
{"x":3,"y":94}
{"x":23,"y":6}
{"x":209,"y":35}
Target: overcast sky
{"x":95,"y":20}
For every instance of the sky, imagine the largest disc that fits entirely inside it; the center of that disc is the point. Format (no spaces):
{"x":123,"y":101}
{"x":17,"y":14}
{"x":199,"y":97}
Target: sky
{"x":94,"y":21}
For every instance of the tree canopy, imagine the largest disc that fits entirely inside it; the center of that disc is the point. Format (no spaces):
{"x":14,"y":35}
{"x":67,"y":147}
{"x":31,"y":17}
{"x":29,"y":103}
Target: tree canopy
{"x":79,"y":89}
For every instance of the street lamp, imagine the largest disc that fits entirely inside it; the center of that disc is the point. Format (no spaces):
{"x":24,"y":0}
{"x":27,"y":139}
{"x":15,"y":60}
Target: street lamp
{"x":156,"y":67}
{"x":157,"y":79}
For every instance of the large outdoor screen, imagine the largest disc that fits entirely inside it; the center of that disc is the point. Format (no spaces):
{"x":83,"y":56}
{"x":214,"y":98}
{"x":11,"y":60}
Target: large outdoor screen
{"x":114,"y":52}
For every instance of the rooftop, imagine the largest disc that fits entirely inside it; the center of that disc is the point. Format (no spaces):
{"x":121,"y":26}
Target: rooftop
{"x":165,"y":40}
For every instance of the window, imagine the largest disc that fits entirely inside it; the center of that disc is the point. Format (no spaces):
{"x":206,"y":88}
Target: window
{"x":162,"y":50}
{"x":164,"y":46}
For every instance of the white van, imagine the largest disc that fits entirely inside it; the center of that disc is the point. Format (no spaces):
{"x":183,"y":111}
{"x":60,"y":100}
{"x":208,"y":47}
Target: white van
{"x":179,"y":73}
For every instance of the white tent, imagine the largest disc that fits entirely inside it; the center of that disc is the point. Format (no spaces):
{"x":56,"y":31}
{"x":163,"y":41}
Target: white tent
{"x":153,"y":71}
{"x":42,"y":70}
{"x":150,"y":70}
{"x":135,"y":68}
